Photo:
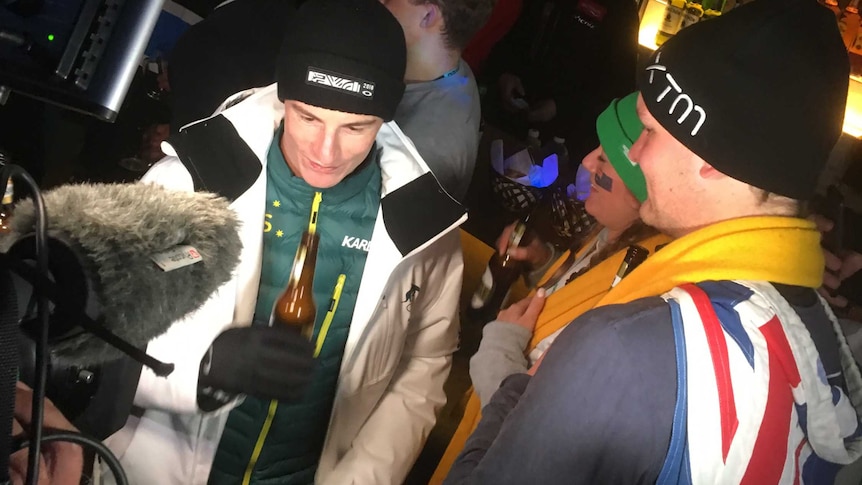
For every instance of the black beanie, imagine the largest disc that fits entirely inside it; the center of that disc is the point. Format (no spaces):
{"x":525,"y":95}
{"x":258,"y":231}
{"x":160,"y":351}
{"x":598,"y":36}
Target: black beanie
{"x":758,"y":93}
{"x":345,"y":55}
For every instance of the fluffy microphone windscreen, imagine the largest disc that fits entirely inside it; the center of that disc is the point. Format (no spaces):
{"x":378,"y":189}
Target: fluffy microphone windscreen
{"x":115,"y":229}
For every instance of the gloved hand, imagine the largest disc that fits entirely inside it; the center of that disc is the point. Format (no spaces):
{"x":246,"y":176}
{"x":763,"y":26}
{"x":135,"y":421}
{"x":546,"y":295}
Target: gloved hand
{"x":264,"y":362}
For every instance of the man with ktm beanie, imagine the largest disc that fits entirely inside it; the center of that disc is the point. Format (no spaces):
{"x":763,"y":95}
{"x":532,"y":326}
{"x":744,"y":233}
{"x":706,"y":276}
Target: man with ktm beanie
{"x":715,"y":361}
{"x":315,"y":149}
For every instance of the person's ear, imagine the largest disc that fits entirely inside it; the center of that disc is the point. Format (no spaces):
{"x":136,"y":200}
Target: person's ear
{"x":433,"y":18}
{"x":709,"y":172}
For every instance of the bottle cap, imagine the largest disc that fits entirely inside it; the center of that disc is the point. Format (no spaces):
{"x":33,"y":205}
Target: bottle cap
{"x":559,"y":139}
{"x":532,"y":133}
{"x":636,"y":254}
{"x":634,"y":257}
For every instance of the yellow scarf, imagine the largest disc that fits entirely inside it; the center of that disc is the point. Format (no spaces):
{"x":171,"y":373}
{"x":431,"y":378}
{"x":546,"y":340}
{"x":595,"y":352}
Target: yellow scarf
{"x":782,"y":250}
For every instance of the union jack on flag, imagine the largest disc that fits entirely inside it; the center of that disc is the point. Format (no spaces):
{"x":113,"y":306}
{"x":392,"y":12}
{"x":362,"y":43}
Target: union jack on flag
{"x":755,"y":404}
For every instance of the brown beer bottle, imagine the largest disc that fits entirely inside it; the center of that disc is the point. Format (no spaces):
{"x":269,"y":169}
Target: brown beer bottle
{"x":499,"y":276}
{"x":295,"y":307}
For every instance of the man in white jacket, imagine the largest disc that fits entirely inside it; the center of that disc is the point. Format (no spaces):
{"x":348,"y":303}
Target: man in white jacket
{"x":386,"y":282}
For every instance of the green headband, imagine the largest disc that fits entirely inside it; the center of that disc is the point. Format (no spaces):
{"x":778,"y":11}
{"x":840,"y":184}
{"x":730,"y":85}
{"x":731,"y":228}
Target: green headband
{"x":618,"y":127}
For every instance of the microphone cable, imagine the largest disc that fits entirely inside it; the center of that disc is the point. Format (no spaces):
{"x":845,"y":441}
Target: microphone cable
{"x":85,"y":441}
{"x":40,"y":377}
{"x":9,"y":362}
{"x":37,"y":435}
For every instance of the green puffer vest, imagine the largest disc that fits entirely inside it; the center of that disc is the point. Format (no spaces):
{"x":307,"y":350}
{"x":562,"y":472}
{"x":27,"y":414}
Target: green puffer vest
{"x":271,"y":442}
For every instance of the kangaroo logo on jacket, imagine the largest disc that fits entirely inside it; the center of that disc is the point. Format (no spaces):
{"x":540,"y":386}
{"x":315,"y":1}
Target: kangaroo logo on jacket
{"x":410,"y":296}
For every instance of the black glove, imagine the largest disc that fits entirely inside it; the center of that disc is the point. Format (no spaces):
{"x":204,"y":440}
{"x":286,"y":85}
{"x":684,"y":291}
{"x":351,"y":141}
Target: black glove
{"x":264,"y":362}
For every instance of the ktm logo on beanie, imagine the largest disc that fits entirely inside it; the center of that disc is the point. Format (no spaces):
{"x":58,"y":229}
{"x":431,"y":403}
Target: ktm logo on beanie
{"x":340,"y":82}
{"x":678,"y":100}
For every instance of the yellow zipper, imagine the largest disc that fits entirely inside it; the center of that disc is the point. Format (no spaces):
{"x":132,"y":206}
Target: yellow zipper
{"x":315,"y":209}
{"x":273,"y":405}
{"x":327,"y":320}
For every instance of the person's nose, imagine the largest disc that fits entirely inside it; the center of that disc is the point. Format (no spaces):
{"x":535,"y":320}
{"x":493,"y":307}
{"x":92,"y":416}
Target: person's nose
{"x":327,"y":148}
{"x":591,"y":161}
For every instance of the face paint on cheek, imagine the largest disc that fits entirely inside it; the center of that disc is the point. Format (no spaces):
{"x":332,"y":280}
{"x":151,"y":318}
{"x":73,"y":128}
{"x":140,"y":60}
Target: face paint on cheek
{"x":604,"y":181}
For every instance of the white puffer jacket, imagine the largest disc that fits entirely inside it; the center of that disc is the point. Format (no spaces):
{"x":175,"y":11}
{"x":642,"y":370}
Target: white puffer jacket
{"x":398,"y":352}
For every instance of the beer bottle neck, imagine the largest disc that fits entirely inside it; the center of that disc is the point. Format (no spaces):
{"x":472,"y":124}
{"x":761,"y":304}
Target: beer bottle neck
{"x":306,"y":257}
{"x":634,"y":257}
{"x":8,"y":192}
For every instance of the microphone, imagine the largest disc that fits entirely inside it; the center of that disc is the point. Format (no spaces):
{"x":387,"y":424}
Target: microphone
{"x":132,"y":257}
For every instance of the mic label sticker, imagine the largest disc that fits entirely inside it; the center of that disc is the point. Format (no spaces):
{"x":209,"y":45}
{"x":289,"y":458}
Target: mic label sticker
{"x":176,"y":257}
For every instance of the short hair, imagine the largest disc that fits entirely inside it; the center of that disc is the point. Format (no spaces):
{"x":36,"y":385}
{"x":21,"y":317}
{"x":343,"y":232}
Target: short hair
{"x":461,"y":19}
{"x":781,"y":204}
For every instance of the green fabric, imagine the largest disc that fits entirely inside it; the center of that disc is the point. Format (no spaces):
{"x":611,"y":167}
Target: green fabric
{"x":618,"y":127}
{"x":346,"y":218}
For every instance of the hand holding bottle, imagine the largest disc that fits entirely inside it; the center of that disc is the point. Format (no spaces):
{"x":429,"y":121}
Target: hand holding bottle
{"x":265,"y":362}
{"x":535,"y":254}
{"x":503,"y":269}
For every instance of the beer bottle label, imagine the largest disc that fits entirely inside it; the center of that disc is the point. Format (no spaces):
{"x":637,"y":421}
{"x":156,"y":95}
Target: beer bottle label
{"x":693,"y":13}
{"x":689,"y":18}
{"x":672,"y":19}
{"x":484,"y":290}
